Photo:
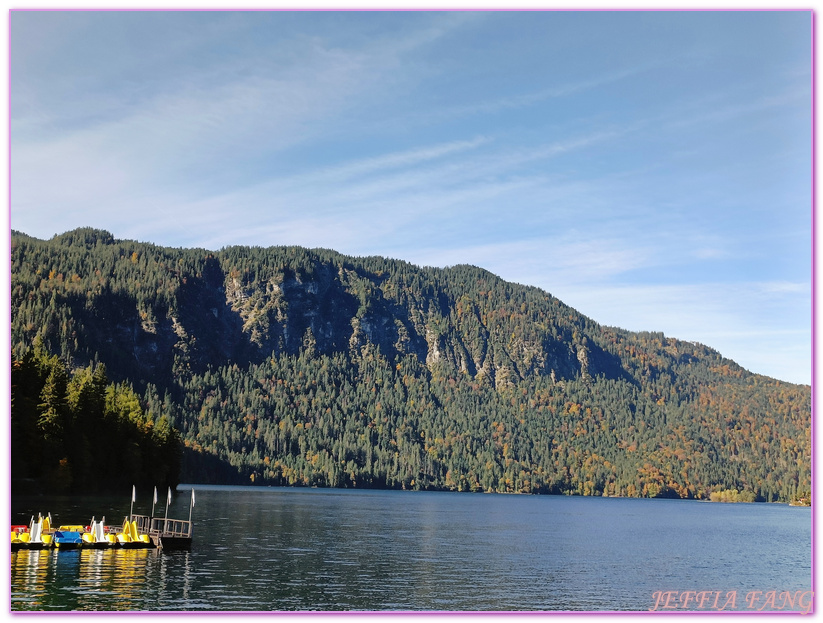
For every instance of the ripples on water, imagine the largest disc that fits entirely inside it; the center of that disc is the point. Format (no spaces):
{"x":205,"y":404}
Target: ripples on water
{"x":79,"y":579}
{"x":285,"y":549}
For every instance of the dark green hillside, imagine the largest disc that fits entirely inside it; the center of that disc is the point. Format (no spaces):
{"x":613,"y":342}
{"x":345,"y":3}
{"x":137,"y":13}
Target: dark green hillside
{"x":76,"y":431}
{"x":285,"y":365}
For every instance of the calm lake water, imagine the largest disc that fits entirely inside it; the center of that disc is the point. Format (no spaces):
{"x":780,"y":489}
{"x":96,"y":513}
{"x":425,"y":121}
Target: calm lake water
{"x":262,"y":549}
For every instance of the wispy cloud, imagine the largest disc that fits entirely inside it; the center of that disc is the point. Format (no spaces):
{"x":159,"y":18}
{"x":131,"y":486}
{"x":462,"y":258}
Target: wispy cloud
{"x":374,"y":200}
{"x":736,"y":109}
{"x":385,"y":162}
{"x":598,"y":176}
{"x":550,"y":262}
{"x":524,"y":100}
{"x":183,"y":135}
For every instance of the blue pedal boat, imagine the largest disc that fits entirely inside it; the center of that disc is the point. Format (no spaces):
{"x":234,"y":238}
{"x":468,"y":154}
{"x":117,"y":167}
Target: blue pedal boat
{"x":68,"y":539}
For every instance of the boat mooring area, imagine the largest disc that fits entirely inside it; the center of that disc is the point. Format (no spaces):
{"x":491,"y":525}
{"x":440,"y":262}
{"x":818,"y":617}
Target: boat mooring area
{"x":136,"y":532}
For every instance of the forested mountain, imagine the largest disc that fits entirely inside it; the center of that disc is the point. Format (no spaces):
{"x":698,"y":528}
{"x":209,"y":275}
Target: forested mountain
{"x":286,"y":365}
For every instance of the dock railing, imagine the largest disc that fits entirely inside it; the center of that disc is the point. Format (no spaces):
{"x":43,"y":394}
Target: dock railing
{"x":159,"y":526}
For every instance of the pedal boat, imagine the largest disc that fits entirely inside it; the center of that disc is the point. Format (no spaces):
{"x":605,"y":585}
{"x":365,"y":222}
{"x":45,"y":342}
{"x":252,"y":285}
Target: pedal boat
{"x":130,"y":538}
{"x":97,"y":537}
{"x":69,"y":537}
{"x":37,"y":536}
{"x":20,"y":537}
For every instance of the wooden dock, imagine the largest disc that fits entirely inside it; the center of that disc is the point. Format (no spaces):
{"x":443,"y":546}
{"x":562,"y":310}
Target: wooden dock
{"x":169,"y":534}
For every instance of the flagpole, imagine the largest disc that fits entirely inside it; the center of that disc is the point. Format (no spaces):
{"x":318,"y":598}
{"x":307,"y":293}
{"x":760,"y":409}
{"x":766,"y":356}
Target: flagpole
{"x":168,"y":503}
{"x":191,"y":505}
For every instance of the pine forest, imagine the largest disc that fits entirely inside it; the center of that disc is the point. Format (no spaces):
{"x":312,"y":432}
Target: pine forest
{"x":133,"y":362}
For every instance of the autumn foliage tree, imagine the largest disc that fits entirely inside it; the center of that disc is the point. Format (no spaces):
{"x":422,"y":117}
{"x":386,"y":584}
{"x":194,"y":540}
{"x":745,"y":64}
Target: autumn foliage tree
{"x":295,"y":366}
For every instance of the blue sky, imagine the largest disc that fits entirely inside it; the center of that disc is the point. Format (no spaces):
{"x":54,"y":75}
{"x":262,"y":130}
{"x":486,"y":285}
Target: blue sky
{"x":650,"y":169}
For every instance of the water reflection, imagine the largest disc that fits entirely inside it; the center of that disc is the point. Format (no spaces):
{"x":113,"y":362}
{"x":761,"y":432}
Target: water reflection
{"x":117,"y":576}
{"x":262,"y":550}
{"x":83,"y":579}
{"x":29,"y":574}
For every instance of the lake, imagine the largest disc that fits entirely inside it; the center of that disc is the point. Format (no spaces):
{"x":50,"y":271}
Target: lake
{"x":263,"y":549}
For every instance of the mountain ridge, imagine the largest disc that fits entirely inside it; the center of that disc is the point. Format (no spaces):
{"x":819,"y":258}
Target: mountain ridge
{"x":170,"y":320}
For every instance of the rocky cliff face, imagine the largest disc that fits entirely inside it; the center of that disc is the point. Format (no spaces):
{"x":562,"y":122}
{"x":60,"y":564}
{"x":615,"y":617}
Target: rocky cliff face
{"x":174,"y":312}
{"x":228,"y":315}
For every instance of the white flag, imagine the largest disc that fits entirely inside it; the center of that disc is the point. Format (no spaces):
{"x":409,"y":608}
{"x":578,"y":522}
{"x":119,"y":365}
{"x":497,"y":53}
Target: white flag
{"x":192,"y":498}
{"x":155,"y":496}
{"x":133,"y":493}
{"x":168,"y":498}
